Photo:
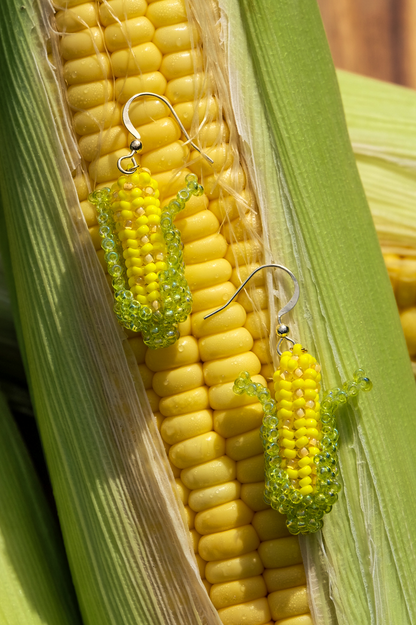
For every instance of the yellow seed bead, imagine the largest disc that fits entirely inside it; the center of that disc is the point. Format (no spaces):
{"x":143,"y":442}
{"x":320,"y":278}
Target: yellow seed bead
{"x":288,"y":444}
{"x":303,"y":462}
{"x":313,"y":451}
{"x":305,"y":482}
{"x":306,"y":490}
{"x":148,"y":247}
{"x":304,"y":471}
{"x":289,"y":453}
{"x":292,"y":473}
{"x":153,"y":287}
{"x":302,"y":441}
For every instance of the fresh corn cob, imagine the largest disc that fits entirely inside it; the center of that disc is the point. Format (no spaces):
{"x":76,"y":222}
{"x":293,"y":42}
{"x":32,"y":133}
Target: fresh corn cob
{"x":211,"y":435}
{"x":402,"y":272}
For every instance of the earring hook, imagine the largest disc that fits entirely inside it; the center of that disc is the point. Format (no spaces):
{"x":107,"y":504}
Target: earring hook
{"x":282,"y":330}
{"x":136,"y":145}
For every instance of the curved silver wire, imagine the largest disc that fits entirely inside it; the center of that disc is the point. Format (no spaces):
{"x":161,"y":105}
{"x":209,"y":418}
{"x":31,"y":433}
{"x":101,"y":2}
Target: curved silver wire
{"x":287,"y":308}
{"x":136,"y":145}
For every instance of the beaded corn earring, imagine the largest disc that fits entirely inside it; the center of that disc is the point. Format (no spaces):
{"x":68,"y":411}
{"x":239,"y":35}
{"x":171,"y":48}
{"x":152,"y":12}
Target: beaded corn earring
{"x":298,"y":432}
{"x":143,"y":249}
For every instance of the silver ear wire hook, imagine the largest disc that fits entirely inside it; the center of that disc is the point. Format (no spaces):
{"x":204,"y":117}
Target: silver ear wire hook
{"x":282,"y":330}
{"x":136,"y":145}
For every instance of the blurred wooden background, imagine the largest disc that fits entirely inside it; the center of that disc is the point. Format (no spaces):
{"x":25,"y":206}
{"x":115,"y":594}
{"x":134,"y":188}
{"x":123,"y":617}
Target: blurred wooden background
{"x":373,"y":37}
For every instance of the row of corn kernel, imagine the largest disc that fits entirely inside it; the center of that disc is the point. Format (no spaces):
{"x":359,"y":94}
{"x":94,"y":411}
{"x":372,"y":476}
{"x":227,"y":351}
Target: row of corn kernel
{"x":275,"y":550}
{"x":78,"y":70}
{"x":402,"y":272}
{"x":101,"y":175}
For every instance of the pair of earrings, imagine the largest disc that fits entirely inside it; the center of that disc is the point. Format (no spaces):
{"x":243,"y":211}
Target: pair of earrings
{"x":143,"y":248}
{"x":143,"y":252}
{"x":299,"y":436}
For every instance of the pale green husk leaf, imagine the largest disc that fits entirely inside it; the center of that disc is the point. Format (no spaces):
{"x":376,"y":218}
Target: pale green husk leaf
{"x":35,"y":584}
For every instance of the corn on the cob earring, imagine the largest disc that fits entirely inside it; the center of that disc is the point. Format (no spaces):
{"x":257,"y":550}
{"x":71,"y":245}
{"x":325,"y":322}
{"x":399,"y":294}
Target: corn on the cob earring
{"x":143,"y":249}
{"x":298,"y":432}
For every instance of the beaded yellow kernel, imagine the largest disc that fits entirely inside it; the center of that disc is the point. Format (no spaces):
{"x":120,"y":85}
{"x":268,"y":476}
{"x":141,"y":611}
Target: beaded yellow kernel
{"x":299,"y":437}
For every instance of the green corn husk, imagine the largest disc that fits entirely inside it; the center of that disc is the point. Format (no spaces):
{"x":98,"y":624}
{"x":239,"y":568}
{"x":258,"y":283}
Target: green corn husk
{"x":347,"y":315}
{"x":35,"y":585}
{"x":381,"y":120}
{"x":127,"y":548}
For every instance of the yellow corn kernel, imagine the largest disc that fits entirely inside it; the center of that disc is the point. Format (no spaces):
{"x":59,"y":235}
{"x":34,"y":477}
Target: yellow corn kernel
{"x":287,"y":577}
{"x":244,"y":445}
{"x":251,"y":469}
{"x":182,"y":427}
{"x":240,"y":567}
{"x":153,"y":399}
{"x":228,"y":369}
{"x":132,"y":32}
{"x":190,"y":517}
{"x":195,"y":539}
{"x":183,"y":352}
{"x":405,"y":290}
{"x":245,"y":252}
{"x":257,"y":297}
{"x":197,"y":226}
{"x":201,"y":565}
{"x":280,"y":552}
{"x":223,"y":517}
{"x":207,"y":585}
{"x":105,"y":167}
{"x":180,"y":64}
{"x":142,"y":58}
{"x":89,"y":69}
{"x":204,"y":498}
{"x":77,"y":18}
{"x":408,"y":320}
{"x":97,"y":118}
{"x":235,"y":421}
{"x":212,"y":297}
{"x":203,"y":250}
{"x":193,"y":451}
{"x":175,"y":38}
{"x":81,"y":44}
{"x":222,"y":397}
{"x":182,"y":491}
{"x":229,"y":544}
{"x":113,"y":10}
{"x":229,"y":343}
{"x":237,"y":229}
{"x":258,"y":324}
{"x":304,"y":619}
{"x":255,"y":612}
{"x":126,"y":88}
{"x":232,"y":317}
{"x":183,"y":403}
{"x":208,"y":474}
{"x":253,"y":496}
{"x":270,"y":524}
{"x":146,"y":376}
{"x":178,"y":380}
{"x":90,"y":95}
{"x":205,"y":109}
{"x":167,"y":12}
{"x":287,"y":603}
{"x":96,"y":144}
{"x":238,"y":591}
{"x":209,"y":274}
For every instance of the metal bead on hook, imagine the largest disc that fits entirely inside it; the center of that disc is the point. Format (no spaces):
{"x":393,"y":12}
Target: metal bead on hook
{"x":282,"y":329}
{"x":136,"y":145}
